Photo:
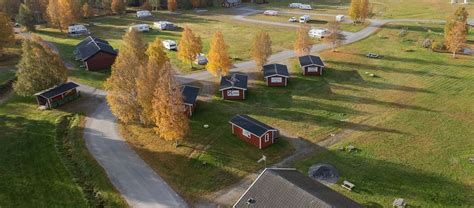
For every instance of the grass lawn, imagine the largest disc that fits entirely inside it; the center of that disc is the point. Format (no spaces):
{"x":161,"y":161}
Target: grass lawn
{"x":36,"y":153}
{"x":415,"y":141}
{"x":424,"y":9}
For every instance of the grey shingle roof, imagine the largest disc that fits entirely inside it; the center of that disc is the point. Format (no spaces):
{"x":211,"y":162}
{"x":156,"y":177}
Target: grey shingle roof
{"x":91,"y":46}
{"x":286,"y":187}
{"x":275,"y":69}
{"x":57,"y":90}
{"x":310,"y":60}
{"x":234,"y":81}
{"x":190,"y":94}
{"x":254,"y":126}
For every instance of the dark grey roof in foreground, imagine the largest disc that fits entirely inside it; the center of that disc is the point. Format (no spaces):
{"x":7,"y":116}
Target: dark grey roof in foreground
{"x":275,"y":69}
{"x":310,"y":60}
{"x":190,"y":94}
{"x":91,"y":46}
{"x":234,"y":81}
{"x":57,"y":90}
{"x":248,"y":123}
{"x":286,"y":187}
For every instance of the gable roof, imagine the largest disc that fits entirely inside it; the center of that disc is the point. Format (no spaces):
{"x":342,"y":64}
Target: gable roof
{"x":253,"y":126}
{"x":286,"y":187}
{"x":275,"y":69}
{"x":57,"y":90}
{"x":310,"y":60}
{"x":91,"y":46}
{"x":234,"y":81}
{"x":190,"y":94}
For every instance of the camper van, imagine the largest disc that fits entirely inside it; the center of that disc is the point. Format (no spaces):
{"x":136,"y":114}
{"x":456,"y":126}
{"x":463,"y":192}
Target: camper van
{"x":305,"y":7}
{"x":170,"y":44}
{"x":77,"y":29}
{"x":140,"y":28}
{"x":295,"y":5}
{"x":164,"y":25}
{"x":143,"y":14}
{"x":270,"y":13}
{"x":340,"y":18}
{"x":304,"y":19}
{"x":318,"y":33}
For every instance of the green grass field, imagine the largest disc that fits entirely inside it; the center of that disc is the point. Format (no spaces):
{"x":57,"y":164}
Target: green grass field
{"x":35,"y":171}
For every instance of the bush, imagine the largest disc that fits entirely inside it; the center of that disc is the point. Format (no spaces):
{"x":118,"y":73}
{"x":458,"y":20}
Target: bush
{"x":438,"y":46}
{"x":427,"y":43}
{"x":403,"y":32}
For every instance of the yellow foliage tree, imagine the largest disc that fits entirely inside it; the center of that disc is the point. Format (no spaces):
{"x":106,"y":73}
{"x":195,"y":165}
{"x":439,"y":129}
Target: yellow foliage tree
{"x":261,"y":49}
{"x":189,"y":46}
{"x":170,"y":119}
{"x":7,"y":36}
{"x":218,"y":58}
{"x":52,"y":12}
{"x":121,"y":85}
{"x":364,"y":10}
{"x":457,"y":38}
{"x":354,"y":10}
{"x":147,"y":79}
{"x":172,"y":5}
{"x":303,"y":43}
{"x":87,"y":10}
{"x":118,"y":6}
{"x":335,"y":37}
{"x":62,"y":13}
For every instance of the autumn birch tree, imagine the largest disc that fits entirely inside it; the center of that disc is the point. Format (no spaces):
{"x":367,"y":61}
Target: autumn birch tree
{"x":26,"y":18}
{"x":87,"y":10}
{"x":39,"y":68}
{"x":456,"y":39}
{"x":261,"y":49}
{"x":364,"y":10}
{"x":303,"y":43}
{"x":52,"y":12}
{"x":170,"y":118}
{"x":121,"y":85}
{"x":354,"y":10}
{"x":118,"y":6}
{"x":147,"y":80}
{"x":7,"y":36}
{"x":172,"y":5}
{"x":218,"y":58}
{"x":189,"y":46}
{"x":335,"y":37}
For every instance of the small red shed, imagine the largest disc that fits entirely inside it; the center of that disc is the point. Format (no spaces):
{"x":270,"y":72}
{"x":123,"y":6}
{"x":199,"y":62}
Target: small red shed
{"x":96,"y":54}
{"x":276,"y":75}
{"x":311,"y":65}
{"x":253,"y":131}
{"x":190,"y":94}
{"x":234,"y":87}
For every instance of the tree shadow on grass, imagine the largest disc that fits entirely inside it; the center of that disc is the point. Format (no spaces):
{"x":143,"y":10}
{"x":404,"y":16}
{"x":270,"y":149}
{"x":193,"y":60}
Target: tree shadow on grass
{"x":390,"y":180}
{"x":417,"y":28}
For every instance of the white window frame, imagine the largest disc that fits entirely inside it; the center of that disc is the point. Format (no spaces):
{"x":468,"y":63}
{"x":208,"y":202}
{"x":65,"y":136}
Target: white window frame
{"x":267,"y":138}
{"x":313,"y":69}
{"x":233,"y":93}
{"x":246,"y":133}
{"x":276,"y":79}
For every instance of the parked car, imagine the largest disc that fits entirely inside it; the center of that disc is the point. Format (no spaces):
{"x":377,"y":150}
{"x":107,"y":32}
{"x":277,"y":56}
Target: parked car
{"x":295,"y":5}
{"x":340,"y":18}
{"x":374,"y":55}
{"x":306,"y":7}
{"x":144,"y":14}
{"x":140,"y":27}
{"x":164,"y":25}
{"x":16,"y":24}
{"x":304,"y":19}
{"x":201,"y":59}
{"x":293,"y":19}
{"x":76,"y":29}
{"x":318,"y":33}
{"x":170,"y":44}
{"x":270,"y":12}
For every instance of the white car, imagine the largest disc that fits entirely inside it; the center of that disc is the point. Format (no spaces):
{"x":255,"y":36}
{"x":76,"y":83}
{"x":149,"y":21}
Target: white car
{"x":270,"y":12}
{"x":170,"y":44}
{"x":293,"y":19}
{"x":295,"y":5}
{"x":140,"y":27}
{"x":306,"y":7}
{"x":304,"y":19}
{"x":340,"y":18}
{"x":318,"y":33}
{"x":164,"y":25}
{"x":144,"y":14}
{"x":77,"y":29}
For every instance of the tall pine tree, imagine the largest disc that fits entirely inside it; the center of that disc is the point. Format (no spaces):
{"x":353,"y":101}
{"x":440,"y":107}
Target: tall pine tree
{"x":261,"y":49}
{"x":121,"y":85}
{"x":218,"y":58}
{"x":189,"y":46}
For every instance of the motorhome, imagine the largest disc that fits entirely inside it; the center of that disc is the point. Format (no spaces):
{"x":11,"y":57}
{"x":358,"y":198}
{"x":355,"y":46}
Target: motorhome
{"x":140,"y":27}
{"x":164,"y":25}
{"x":77,"y":29}
{"x":340,"y":18}
{"x":170,"y":44}
{"x":306,"y":7}
{"x":304,"y":19}
{"x":318,"y":33}
{"x":270,"y":12}
{"x":143,"y":14}
{"x":295,"y":5}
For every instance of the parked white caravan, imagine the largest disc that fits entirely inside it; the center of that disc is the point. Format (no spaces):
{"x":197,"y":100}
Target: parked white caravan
{"x":295,"y":5}
{"x":170,"y":44}
{"x":140,"y":28}
{"x":163,"y":25}
{"x":318,"y":33}
{"x":77,"y":29}
{"x":304,"y":19}
{"x":143,"y":14}
{"x":340,"y":18}
{"x":306,"y":7}
{"x":270,"y":12}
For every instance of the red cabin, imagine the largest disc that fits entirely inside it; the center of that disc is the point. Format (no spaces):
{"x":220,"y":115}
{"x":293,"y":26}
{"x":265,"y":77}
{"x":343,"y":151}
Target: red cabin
{"x":276,"y":75}
{"x":234,"y":87}
{"x":190,"y":94}
{"x":253,"y":131}
{"x":96,"y":54}
{"x":311,"y":65}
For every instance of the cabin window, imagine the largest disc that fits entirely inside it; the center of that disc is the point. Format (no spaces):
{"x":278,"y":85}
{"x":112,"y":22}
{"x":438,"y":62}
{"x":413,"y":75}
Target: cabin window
{"x":233,"y":93}
{"x":246,"y":133}
{"x":313,"y":69}
{"x":267,"y":138}
{"x":277,"y":79}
